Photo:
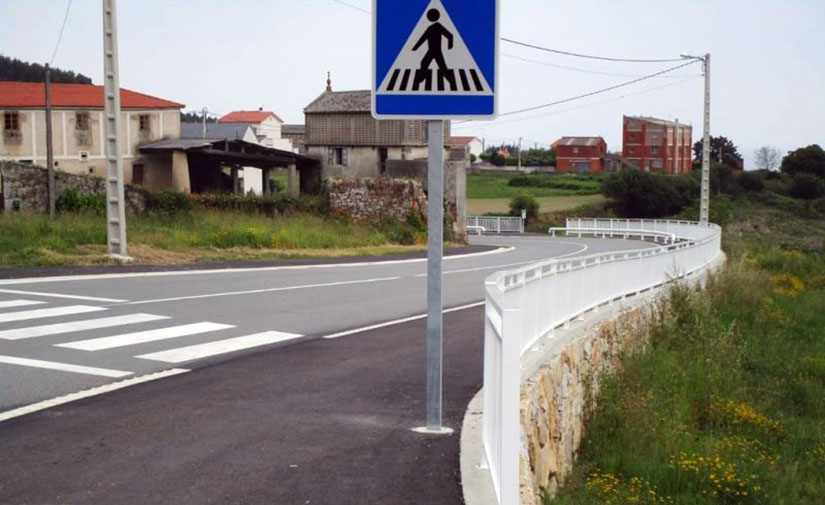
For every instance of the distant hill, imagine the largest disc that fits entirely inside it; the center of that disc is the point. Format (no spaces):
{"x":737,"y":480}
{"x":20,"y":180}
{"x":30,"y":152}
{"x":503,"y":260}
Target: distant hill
{"x":12,"y":69}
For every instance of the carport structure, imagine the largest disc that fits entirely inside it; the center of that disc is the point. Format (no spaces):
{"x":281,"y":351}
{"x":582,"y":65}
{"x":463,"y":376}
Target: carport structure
{"x":196,"y":166}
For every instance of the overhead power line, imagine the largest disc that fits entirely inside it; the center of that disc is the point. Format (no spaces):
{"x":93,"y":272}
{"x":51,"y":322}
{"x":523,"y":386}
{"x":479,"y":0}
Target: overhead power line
{"x":62,"y":29}
{"x":475,"y":124}
{"x":583,"y":70}
{"x":588,"y":56}
{"x":352,"y":6}
{"x":597,"y":92}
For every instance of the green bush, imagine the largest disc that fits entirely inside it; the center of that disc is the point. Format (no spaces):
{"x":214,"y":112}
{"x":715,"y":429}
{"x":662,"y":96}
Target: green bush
{"x":638,"y":194}
{"x":807,"y":187}
{"x":169,"y":203}
{"x":268,"y":206}
{"x":71,"y":201}
{"x":752,"y":182}
{"x":524,"y":202}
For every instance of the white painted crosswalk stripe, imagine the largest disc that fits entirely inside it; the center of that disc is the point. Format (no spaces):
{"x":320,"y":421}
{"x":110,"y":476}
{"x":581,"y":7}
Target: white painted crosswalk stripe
{"x":142,"y":337}
{"x":220,"y":347}
{"x":63,"y":367}
{"x":74,"y":326}
{"x":51,"y":312}
{"x":18,"y":303}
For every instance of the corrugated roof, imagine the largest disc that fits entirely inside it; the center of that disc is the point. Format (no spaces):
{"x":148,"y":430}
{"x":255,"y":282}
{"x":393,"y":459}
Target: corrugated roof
{"x":578,"y":141}
{"x":214,"y":130}
{"x":293,"y":129}
{"x":248,"y":116}
{"x":341,"y":101}
{"x":658,"y":121}
{"x":33,"y":95}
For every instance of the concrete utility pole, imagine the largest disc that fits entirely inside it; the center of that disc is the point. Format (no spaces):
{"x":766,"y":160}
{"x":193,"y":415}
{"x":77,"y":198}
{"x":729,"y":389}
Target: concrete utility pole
{"x":704,"y":211}
{"x":115,"y":205}
{"x":519,"y":154}
{"x":49,"y":145}
{"x":204,"y":111}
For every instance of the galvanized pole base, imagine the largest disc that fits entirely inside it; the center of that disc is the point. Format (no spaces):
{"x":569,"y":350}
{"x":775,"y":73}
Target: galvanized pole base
{"x":435,"y":242}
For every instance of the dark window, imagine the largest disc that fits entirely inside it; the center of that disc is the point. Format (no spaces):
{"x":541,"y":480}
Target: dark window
{"x":144,"y":123}
{"x":11,"y":121}
{"x":632,"y":150}
{"x":654,"y":149}
{"x":137,"y":174}
{"x":81,"y":122}
{"x":338,"y":156}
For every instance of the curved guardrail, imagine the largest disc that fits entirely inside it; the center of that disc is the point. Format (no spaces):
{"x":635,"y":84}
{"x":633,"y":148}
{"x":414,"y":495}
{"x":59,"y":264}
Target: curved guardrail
{"x":529,"y":303}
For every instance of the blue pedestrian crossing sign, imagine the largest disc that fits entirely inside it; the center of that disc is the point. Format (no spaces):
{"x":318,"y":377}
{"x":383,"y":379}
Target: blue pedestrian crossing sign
{"x":435,"y":59}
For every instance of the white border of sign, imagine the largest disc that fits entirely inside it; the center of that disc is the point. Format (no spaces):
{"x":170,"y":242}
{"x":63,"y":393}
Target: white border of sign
{"x":442,"y":117}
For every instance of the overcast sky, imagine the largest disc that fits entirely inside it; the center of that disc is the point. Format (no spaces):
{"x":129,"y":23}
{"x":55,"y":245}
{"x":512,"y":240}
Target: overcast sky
{"x":768,"y":61}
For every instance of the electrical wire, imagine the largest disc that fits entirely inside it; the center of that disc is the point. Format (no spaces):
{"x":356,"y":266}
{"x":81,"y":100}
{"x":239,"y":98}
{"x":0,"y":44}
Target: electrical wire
{"x":352,"y":6}
{"x":586,"y":71}
{"x":475,"y":124}
{"x":588,"y":56}
{"x":597,"y":92}
{"x":62,"y":29}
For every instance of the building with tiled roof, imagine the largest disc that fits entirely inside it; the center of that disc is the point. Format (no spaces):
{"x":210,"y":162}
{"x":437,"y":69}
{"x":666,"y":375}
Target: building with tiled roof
{"x":657,"y":145}
{"x":78,"y":129}
{"x":580,"y":154}
{"x":266,"y":125}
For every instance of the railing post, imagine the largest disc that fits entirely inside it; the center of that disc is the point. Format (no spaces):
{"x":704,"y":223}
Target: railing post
{"x":510,"y":405}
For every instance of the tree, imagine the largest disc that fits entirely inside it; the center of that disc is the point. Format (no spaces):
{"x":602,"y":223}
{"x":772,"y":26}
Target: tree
{"x":806,"y":160}
{"x":767,"y":158}
{"x":720,"y":146}
{"x":638,"y":194}
{"x":807,"y":186}
{"x":194,"y":117}
{"x":12,"y":69}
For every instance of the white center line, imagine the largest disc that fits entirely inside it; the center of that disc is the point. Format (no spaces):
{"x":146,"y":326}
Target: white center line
{"x":220,"y":347}
{"x":99,"y":344}
{"x":52,"y":312}
{"x":74,"y":326}
{"x":60,"y":295}
{"x":63,"y":367}
{"x":18,"y":303}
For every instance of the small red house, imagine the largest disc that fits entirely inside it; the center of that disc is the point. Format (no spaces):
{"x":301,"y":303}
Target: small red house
{"x":580,"y":154}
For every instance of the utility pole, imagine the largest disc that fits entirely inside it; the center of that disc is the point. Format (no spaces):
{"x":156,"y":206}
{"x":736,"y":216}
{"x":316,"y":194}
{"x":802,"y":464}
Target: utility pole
{"x":704,"y":210}
{"x":115,"y":207}
{"x":519,"y":154}
{"x":204,"y":111}
{"x":49,"y":146}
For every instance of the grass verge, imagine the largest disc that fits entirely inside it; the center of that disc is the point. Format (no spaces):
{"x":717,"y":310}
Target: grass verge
{"x":72,"y":239}
{"x":726,"y":406}
{"x":547,"y":204}
{"x":497,"y":186}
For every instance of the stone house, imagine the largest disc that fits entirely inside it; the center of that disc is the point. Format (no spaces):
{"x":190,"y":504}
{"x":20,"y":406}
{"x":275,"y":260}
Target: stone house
{"x":78,"y":129}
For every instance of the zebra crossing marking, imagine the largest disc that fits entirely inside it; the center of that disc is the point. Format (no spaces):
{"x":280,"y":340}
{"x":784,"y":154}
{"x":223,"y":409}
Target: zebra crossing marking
{"x":25,"y":315}
{"x":142,"y":337}
{"x":219,"y":347}
{"x":75,"y":326}
{"x":18,"y":303}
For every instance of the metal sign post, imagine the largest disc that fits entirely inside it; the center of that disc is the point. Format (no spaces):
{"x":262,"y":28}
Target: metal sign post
{"x":435,"y":60}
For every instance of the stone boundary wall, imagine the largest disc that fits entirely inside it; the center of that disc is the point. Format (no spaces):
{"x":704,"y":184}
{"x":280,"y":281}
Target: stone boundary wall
{"x":558,"y":395}
{"x":373,"y":200}
{"x":29,"y":183}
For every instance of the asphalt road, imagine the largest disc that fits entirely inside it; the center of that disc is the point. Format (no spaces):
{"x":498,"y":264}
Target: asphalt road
{"x":63,"y":335}
{"x":303,"y":420}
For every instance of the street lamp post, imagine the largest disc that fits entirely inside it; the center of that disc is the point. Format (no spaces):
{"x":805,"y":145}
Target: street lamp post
{"x":704,"y":210}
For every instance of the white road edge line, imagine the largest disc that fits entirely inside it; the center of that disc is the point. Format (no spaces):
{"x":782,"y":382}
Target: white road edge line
{"x":269,"y":290}
{"x":399,"y":321}
{"x":107,"y":388}
{"x":59,"y":295}
{"x":64,"y":367}
{"x":66,"y":278}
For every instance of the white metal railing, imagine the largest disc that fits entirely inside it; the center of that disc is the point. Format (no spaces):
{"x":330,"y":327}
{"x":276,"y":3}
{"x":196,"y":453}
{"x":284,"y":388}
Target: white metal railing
{"x":531,"y":302}
{"x":495,"y":224}
{"x":656,"y":236}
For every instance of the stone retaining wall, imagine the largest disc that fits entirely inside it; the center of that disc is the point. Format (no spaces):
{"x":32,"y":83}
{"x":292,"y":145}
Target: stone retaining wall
{"x":29,"y":184}
{"x":376,"y":199}
{"x":558,"y":395}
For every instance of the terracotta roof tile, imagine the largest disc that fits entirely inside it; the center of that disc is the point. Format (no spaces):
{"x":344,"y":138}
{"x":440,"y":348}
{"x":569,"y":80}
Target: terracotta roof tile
{"x":33,"y":95}
{"x":248,"y":116}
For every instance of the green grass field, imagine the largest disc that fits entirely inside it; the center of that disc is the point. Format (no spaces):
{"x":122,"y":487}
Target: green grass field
{"x":727,"y":404}
{"x":496,"y":186}
{"x":35,"y":240}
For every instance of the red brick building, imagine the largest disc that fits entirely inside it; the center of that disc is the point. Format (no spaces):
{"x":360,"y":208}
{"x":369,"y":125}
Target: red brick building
{"x":656,"y":145}
{"x":580,"y":154}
